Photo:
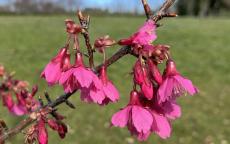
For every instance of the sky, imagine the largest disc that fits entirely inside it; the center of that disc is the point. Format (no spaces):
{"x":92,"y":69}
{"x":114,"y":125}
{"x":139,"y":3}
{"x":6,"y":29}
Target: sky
{"x":112,"y":5}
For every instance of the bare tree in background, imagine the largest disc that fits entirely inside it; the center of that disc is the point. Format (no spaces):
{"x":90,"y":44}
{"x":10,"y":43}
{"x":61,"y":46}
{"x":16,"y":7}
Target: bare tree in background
{"x":202,"y":7}
{"x":37,"y":6}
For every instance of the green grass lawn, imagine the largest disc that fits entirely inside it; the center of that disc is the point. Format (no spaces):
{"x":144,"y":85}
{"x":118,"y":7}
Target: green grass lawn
{"x":201,"y":48}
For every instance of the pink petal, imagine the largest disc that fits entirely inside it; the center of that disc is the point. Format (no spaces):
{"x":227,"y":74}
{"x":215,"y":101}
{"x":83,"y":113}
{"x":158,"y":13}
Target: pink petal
{"x":187,"y":84}
{"x":8,"y":100}
{"x":65,"y":76}
{"x":147,"y":90}
{"x":42,"y":132}
{"x":62,"y":130}
{"x":165,"y":90}
{"x":97,"y":82}
{"x":83,"y":76}
{"x":121,"y":118}
{"x":53,"y":124}
{"x":172,"y":110}
{"x":18,"y":110}
{"x":143,"y":136}
{"x":52,"y":73}
{"x":146,"y":34}
{"x":142,"y":119}
{"x":111,"y":92}
{"x":71,"y":85}
{"x":97,"y":96}
{"x":161,"y":126}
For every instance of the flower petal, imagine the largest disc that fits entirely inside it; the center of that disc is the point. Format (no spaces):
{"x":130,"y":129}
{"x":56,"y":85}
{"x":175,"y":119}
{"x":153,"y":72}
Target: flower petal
{"x":42,"y":132}
{"x":172,"y":110}
{"x":111,"y":92}
{"x":165,"y":90}
{"x":161,"y":126}
{"x":121,"y":118}
{"x":187,"y":84}
{"x":142,"y":119}
{"x":83,"y":76}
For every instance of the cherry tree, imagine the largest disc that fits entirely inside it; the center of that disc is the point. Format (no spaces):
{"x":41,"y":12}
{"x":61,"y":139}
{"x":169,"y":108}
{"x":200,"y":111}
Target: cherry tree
{"x":153,"y":98}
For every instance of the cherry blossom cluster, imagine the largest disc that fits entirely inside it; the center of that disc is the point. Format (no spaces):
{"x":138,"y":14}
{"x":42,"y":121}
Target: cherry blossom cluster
{"x":10,"y":87}
{"x":152,"y":102}
{"x":94,"y":87}
{"x":20,"y":102}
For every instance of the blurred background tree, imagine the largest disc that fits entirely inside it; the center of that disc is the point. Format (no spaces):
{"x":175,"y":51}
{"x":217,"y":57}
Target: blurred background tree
{"x":202,"y":7}
{"x":184,"y":7}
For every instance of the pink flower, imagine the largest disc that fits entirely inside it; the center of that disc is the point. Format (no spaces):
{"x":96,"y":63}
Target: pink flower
{"x":145,"y":35}
{"x":155,"y":72}
{"x":58,"y":126}
{"x":102,"y":91}
{"x":174,"y":84}
{"x":16,"y":109}
{"x":103,"y":42}
{"x":7,"y":100}
{"x":71,"y":27}
{"x":161,"y":125}
{"x":159,"y":52}
{"x":138,"y":119}
{"x":110,"y":91}
{"x":94,"y":93}
{"x":78,"y":76}
{"x":25,"y":102}
{"x":2,"y":70}
{"x":141,"y":77}
{"x":42,"y":132}
{"x":171,"y":110}
{"x":139,"y":73}
{"x":160,"y":114}
{"x":55,"y":67}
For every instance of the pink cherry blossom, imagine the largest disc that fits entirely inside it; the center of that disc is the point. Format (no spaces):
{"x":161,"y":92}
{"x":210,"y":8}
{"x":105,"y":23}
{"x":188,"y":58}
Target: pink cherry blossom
{"x":42,"y":132}
{"x":155,"y":72}
{"x":23,"y":104}
{"x":92,"y":95}
{"x":7,"y":100}
{"x":2,"y":70}
{"x":54,"y":68}
{"x":103,"y":42}
{"x":110,"y":91}
{"x":78,"y":76}
{"x":71,"y":27}
{"x":139,"y":73}
{"x":145,"y":35}
{"x":161,"y":125}
{"x":58,"y":126}
{"x":157,"y":51}
{"x":174,"y":84}
{"x":141,"y":77}
{"x":138,"y":119}
{"x":171,"y":109}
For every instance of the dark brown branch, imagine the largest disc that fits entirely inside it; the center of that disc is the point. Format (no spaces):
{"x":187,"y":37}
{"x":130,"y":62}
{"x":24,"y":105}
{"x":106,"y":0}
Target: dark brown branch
{"x":165,"y":7}
{"x":163,"y":11}
{"x":119,"y":54}
{"x":147,"y":9}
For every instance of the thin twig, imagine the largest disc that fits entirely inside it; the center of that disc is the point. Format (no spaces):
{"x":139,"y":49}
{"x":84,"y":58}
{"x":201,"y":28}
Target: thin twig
{"x":163,"y":11}
{"x":85,"y":21}
{"x":147,"y":9}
